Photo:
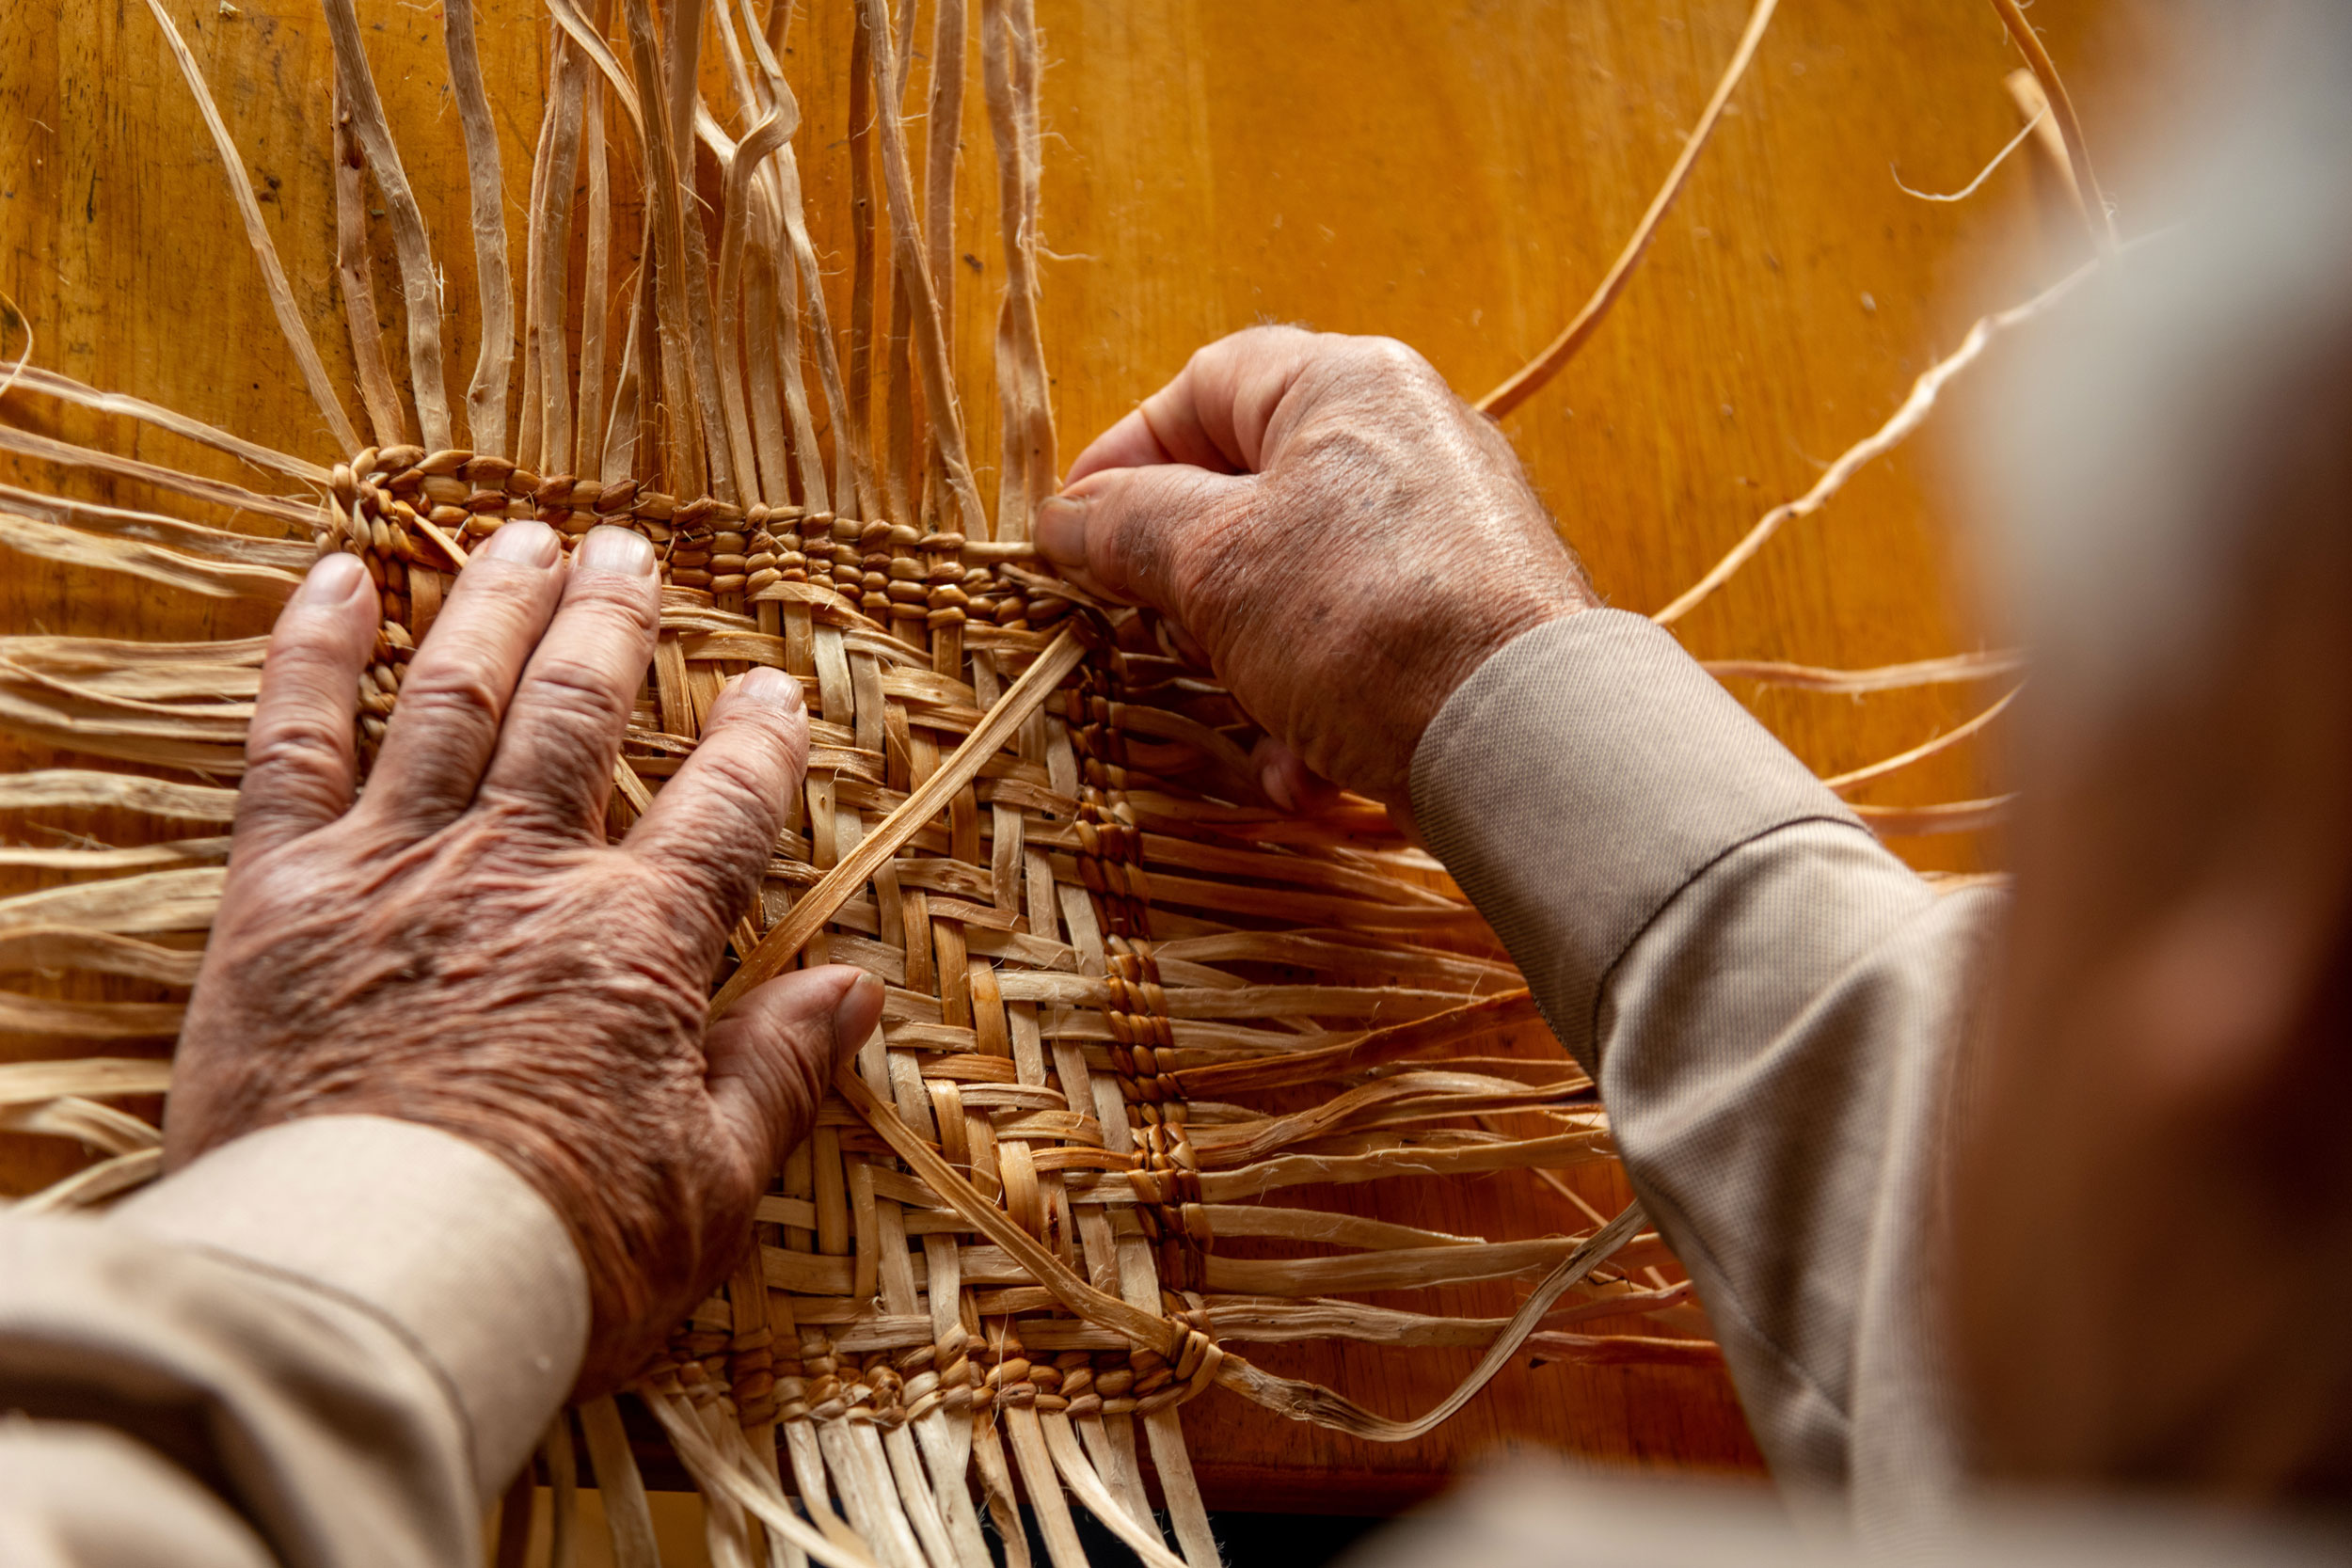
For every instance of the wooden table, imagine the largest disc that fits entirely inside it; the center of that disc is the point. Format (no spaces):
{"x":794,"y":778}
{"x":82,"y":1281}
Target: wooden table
{"x":1455,"y":176}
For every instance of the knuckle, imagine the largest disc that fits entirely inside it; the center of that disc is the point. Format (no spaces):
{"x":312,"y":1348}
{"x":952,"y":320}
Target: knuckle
{"x":705,"y":886}
{"x":1233,"y":342}
{"x":1344,"y":456}
{"x":293,"y":803}
{"x":445,"y":693}
{"x":1262,"y":335}
{"x":1137,"y":538}
{"x":700,"y":865}
{"x":747,"y":797}
{"x":573,"y":694}
{"x":1386,"y":354}
{"x":491,"y":600}
{"x":297,"y":743}
{"x":800,"y":1091}
{"x":715,"y":870}
{"x":1379,"y":368}
{"x":780,"y":734}
{"x":1215,"y":362}
{"x":300,"y":654}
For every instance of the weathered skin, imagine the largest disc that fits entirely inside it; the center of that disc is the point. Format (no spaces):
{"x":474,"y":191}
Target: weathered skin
{"x":462,"y":948}
{"x":1334,"y":533}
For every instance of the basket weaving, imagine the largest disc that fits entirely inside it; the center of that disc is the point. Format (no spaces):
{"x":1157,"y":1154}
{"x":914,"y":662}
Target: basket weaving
{"x":1132,"y":1007}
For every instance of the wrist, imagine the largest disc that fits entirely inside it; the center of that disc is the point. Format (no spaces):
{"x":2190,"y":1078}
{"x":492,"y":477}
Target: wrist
{"x":474,"y":1268}
{"x":1490,"y":622}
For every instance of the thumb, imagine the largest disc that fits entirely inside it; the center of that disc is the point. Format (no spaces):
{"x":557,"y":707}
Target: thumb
{"x":772,"y":1054}
{"x":1130,"y":532}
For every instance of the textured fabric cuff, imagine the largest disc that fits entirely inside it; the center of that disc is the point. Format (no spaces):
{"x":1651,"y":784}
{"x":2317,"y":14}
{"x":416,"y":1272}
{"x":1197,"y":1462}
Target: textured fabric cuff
{"x":441,"y":1239}
{"x":1578,"y":779}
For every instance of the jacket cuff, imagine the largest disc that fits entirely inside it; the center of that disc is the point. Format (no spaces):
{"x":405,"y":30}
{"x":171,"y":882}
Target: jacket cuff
{"x":440,"y":1239}
{"x":1578,"y":779}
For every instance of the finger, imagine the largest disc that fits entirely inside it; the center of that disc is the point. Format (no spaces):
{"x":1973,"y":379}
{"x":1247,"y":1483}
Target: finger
{"x":1126,"y":531}
{"x":1129,"y":444}
{"x":775,"y":1052}
{"x":455,"y":693}
{"x":714,"y":824}
{"x":1286,"y":778}
{"x":1229,"y":393}
{"x":563,"y":729}
{"x":1212,"y":415}
{"x":1140,"y":494}
{"x":301,"y":765}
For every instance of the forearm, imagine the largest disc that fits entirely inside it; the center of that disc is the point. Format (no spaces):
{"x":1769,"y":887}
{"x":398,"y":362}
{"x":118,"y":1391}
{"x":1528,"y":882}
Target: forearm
{"x":334,"y":1341}
{"x":1769,"y":1001}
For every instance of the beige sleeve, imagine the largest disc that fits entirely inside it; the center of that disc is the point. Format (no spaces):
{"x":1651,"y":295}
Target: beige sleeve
{"x":330,"y":1342}
{"x":1770,"y":1003}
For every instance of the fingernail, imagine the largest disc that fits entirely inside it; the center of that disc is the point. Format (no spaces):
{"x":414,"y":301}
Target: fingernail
{"x":615,"y":549}
{"x":331,"y":580}
{"x":1062,"y":530}
{"x":764,"y":683}
{"x":524,"y":540}
{"x":857,"y":1012}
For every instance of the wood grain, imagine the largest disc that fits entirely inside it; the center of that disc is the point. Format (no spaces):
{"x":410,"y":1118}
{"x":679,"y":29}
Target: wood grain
{"x":1454,"y":176}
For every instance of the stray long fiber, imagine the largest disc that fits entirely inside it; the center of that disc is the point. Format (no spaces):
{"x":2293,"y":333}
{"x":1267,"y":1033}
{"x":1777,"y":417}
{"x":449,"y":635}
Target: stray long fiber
{"x":682,"y":23}
{"x":596,"y":294}
{"x":281,"y":298}
{"x":420,"y":288}
{"x":804,"y":281}
{"x":1925,"y":750}
{"x":486,"y":395}
{"x":1906,"y":418}
{"x":1951,"y":816}
{"x":1530,"y":378}
{"x":931,"y":337}
{"x":355,"y":274}
{"x":685,"y":468}
{"x":32,"y":378}
{"x":2095,"y":211}
{"x":1009,"y":75}
{"x":2033,"y":122}
{"x":1309,"y":1401}
{"x":1958,"y":669}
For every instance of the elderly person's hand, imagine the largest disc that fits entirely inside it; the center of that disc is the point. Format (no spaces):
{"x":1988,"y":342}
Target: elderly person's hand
{"x":462,"y":948}
{"x":1340,"y":537}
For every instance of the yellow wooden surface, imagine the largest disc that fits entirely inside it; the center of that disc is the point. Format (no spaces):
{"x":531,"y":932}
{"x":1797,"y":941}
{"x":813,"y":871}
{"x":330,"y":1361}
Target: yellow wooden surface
{"x":1455,"y":176}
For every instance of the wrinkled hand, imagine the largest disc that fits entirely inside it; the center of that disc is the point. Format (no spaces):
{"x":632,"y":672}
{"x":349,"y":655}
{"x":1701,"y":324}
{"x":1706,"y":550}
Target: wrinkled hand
{"x":463,"y":949}
{"x":1339,"y":537}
